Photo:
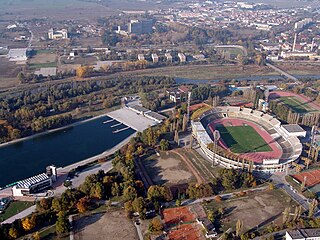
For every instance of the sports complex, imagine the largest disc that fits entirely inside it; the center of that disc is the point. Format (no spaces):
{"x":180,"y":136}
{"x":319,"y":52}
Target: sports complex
{"x":248,"y":139}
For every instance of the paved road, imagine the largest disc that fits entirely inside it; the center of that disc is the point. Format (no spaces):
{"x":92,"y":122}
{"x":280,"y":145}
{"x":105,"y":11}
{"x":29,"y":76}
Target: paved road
{"x":20,"y":215}
{"x":139,"y":231}
{"x":76,"y":181}
{"x":280,"y":181}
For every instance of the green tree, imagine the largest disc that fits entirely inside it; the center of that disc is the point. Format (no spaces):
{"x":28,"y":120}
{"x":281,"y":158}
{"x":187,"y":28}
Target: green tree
{"x":130,"y":193}
{"x":62,"y":223}
{"x":115,"y":189}
{"x":97,"y":191}
{"x":138,"y":205}
{"x":56,"y":205}
{"x":164,"y":145}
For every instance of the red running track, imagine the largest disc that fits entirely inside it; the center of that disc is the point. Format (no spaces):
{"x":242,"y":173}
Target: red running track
{"x":256,"y":157}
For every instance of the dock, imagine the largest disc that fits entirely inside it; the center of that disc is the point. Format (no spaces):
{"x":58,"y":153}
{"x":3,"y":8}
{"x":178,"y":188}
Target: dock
{"x":108,"y":121}
{"x":118,"y":124}
{"x":120,"y":130}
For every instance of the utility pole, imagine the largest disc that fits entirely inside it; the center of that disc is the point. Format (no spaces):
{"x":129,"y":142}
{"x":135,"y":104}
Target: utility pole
{"x":216,"y":137}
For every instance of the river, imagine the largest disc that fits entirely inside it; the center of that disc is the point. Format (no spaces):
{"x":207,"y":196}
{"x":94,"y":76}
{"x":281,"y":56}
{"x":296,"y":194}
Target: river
{"x":61,"y":148}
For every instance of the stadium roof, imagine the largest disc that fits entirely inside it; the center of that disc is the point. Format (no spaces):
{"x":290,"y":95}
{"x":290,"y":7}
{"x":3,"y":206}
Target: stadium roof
{"x":304,"y":233}
{"x":293,"y":128}
{"x":155,"y":115}
{"x":202,"y":133}
{"x":139,"y":108}
{"x":27,"y":183}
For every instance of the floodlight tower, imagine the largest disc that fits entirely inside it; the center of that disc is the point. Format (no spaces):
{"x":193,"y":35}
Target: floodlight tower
{"x":188,"y":107}
{"x":313,"y":140}
{"x":266,"y":94}
{"x":216,"y":137}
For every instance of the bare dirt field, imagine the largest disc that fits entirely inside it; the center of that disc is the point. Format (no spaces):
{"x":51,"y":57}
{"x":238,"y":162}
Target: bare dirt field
{"x":113,"y":225}
{"x":260,"y":208}
{"x":8,"y":73}
{"x":88,"y":41}
{"x":43,"y":58}
{"x":168,"y":169}
{"x":207,"y":72}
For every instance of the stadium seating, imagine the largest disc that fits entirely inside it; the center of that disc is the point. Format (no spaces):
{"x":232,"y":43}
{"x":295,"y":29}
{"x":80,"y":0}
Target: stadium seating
{"x":291,"y":146}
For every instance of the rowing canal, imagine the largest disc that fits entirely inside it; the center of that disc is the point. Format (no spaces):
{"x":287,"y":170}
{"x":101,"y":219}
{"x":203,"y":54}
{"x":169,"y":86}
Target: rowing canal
{"x":30,"y":157}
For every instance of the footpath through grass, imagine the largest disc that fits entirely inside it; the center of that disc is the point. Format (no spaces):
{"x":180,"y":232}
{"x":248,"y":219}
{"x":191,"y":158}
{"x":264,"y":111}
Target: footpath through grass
{"x":14,"y":208}
{"x":243,"y":139}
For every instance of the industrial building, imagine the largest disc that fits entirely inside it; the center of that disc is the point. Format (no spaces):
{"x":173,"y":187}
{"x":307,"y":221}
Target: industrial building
{"x":182,"y":57}
{"x":139,"y":27}
{"x":36,"y":183}
{"x":302,"y":23}
{"x":59,"y":34}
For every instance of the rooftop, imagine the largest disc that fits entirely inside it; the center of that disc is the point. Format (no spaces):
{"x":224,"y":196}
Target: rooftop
{"x":304,"y":233}
{"x":293,"y":128}
{"x":156,"y":115}
{"x":27,"y":183}
{"x":139,"y":108}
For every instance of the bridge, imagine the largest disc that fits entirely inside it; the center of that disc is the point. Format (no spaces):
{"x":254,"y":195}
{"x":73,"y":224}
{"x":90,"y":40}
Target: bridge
{"x":283,"y":73}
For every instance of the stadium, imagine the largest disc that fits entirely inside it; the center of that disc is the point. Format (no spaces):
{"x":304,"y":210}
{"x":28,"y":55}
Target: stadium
{"x":249,"y":139}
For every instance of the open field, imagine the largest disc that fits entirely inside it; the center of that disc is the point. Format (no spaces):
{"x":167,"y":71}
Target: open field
{"x":206,"y":72}
{"x":14,"y":208}
{"x":256,"y":209}
{"x":113,"y":225}
{"x":58,"y":9}
{"x":42,"y":65}
{"x":300,"y":69}
{"x":243,"y":139}
{"x":81,"y":9}
{"x":168,"y":169}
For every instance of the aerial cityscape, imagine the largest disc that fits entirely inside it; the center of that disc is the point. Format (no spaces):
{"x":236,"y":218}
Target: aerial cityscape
{"x":160,"y":119}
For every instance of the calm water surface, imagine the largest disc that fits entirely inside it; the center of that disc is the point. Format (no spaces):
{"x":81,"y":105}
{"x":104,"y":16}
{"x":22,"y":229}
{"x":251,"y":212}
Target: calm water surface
{"x":62,"y":148}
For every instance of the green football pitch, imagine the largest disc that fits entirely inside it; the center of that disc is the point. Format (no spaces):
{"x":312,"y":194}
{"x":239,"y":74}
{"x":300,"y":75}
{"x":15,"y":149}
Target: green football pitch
{"x":295,"y":104}
{"x":243,"y":139}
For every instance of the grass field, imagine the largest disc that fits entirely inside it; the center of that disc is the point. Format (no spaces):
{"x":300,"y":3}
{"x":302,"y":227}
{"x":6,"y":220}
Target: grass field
{"x":295,"y":104}
{"x":42,"y":65}
{"x":14,"y":208}
{"x":243,"y":139}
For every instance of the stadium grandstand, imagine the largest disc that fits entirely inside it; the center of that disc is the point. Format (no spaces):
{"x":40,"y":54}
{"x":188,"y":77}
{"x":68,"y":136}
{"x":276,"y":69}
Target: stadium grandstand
{"x":248,"y":139}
